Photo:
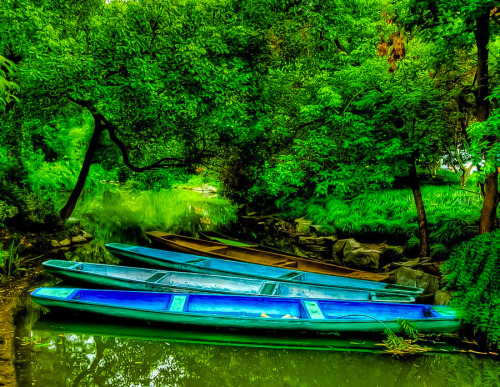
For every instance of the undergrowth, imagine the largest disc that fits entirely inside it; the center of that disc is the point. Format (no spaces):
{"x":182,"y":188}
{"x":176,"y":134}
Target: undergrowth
{"x":473,"y":275}
{"x":391,"y":215}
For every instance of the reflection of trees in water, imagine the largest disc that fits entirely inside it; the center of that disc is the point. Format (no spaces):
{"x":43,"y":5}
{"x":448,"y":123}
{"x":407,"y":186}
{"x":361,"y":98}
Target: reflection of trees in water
{"x":121,"y":215}
{"x":84,"y":360}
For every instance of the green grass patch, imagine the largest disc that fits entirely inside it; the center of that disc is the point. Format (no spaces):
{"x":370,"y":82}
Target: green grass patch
{"x":391,"y":215}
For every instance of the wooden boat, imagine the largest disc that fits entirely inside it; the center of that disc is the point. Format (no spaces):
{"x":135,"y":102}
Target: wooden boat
{"x":133,"y":278}
{"x":193,"y":263}
{"x":219,"y":250}
{"x":214,"y":236}
{"x":250,"y":312}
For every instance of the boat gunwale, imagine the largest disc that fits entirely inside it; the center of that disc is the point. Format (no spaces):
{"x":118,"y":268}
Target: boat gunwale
{"x":347,"y":270}
{"x":232,"y":317}
{"x":159,"y":260}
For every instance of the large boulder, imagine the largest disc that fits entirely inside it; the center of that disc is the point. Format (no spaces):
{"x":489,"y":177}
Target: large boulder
{"x":362,"y":258}
{"x":417,"y":278}
{"x":302,"y":225}
{"x":442,"y":298}
{"x":343,"y":246}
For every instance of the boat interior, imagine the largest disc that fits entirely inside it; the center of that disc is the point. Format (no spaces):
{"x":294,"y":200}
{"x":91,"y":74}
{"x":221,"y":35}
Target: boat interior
{"x":251,"y":306}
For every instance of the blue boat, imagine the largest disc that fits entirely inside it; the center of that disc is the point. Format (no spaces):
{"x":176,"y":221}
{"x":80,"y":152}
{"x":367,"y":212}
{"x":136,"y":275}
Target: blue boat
{"x":197,"y":264}
{"x":249,"y":312}
{"x":133,"y":278}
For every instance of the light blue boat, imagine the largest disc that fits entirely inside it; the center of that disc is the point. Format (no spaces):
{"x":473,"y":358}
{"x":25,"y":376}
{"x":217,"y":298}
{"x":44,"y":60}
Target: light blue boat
{"x":197,"y":264}
{"x":249,"y":312}
{"x":133,"y":278}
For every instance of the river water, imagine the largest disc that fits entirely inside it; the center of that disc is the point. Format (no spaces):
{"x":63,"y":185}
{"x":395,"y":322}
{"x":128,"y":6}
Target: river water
{"x":53,"y":350}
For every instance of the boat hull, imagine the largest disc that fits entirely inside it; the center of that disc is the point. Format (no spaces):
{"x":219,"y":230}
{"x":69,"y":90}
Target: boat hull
{"x":123,"y":277}
{"x":249,"y":313}
{"x":219,"y":250}
{"x":192,"y":263}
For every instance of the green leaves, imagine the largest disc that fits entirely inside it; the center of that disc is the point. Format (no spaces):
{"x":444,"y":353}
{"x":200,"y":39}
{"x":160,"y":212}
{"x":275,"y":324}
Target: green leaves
{"x":7,"y":87}
{"x":473,"y":274}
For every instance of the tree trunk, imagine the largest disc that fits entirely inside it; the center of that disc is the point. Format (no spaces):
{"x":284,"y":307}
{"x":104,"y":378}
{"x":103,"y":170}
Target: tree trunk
{"x":490,"y":203}
{"x":487,"y":221}
{"x":423,"y":232}
{"x":68,"y":208}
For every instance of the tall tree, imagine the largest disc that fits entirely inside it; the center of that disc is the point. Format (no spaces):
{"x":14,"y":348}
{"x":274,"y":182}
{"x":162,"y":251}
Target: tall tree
{"x":169,"y":81}
{"x":460,"y":26}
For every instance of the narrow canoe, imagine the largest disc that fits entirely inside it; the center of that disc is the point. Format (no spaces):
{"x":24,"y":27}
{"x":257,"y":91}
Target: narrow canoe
{"x":214,"y":236}
{"x":250,"y":312}
{"x":193,"y":263}
{"x":133,"y":278}
{"x":219,"y":250}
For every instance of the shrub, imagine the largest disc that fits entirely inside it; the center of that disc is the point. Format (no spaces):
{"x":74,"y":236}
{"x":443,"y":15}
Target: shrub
{"x":473,"y":273}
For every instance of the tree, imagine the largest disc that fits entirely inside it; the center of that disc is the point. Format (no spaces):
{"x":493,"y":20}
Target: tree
{"x":458,"y":25}
{"x":169,"y":81}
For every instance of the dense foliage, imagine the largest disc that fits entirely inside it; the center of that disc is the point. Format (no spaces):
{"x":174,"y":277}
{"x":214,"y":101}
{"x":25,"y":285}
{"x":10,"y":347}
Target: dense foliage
{"x":329,"y":109}
{"x":473,"y":274}
{"x":390,"y":217}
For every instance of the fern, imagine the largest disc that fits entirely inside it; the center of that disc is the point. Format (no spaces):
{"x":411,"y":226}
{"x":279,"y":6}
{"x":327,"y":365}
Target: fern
{"x":473,"y":272}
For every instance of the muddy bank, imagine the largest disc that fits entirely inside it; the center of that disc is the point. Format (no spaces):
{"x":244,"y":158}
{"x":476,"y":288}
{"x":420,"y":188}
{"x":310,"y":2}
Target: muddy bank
{"x":14,"y":296}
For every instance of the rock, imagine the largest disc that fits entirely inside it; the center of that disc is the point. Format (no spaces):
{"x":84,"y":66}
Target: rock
{"x":350,"y":245}
{"x":302,"y":225}
{"x":442,"y":298}
{"x":362,"y":258}
{"x":54,"y":243}
{"x":330,"y":239}
{"x":74,"y":232}
{"x":303,"y":240}
{"x":338,"y":247}
{"x":318,"y":249}
{"x":336,"y":260}
{"x":393,"y":252}
{"x":78,"y":239}
{"x":314,"y":228}
{"x":318,"y":241}
{"x":65,"y":242}
{"x":87,"y":236}
{"x":410,"y":277}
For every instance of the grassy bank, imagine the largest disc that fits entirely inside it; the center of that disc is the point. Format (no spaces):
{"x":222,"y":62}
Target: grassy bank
{"x":390,"y":215}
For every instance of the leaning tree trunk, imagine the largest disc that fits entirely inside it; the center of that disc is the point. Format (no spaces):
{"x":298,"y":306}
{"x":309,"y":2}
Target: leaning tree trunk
{"x":490,"y":203}
{"x":68,"y":208}
{"x":423,"y":232}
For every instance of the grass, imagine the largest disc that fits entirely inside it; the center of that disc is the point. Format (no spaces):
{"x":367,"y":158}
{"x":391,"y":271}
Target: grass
{"x":390,"y":215}
{"x":12,"y":262}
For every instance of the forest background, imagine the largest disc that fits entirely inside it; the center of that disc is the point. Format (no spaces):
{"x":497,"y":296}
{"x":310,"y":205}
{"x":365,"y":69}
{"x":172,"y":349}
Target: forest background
{"x":373,"y":118}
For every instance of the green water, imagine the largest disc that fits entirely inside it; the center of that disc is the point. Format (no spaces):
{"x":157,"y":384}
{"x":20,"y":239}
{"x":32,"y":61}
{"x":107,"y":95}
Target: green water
{"x":58,"y":358}
{"x":52,"y":351}
{"x":121,"y":215}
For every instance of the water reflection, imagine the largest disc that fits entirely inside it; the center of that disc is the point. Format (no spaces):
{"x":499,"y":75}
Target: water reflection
{"x":122,"y":215}
{"x":83,"y":353}
{"x":66,"y":353}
